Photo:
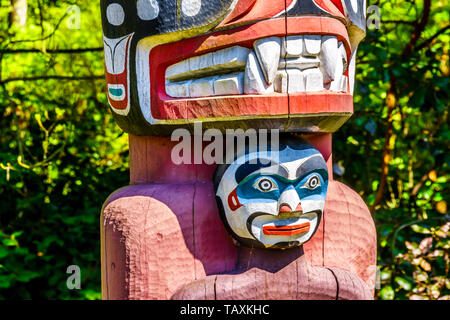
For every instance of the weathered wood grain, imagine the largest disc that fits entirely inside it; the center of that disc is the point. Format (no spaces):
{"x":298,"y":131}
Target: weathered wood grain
{"x":158,"y":238}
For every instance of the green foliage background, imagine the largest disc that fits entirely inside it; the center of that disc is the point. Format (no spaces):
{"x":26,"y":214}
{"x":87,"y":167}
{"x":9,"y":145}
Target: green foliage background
{"x":61,"y":153}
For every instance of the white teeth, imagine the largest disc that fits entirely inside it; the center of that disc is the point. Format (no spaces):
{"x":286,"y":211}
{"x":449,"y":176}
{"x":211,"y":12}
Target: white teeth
{"x":229,"y":84}
{"x":336,"y":84}
{"x":344,"y":55}
{"x":313,"y":80}
{"x":312,"y":45}
{"x":254,"y":81}
{"x":344,"y":83}
{"x":119,"y":88}
{"x":203,"y":87}
{"x":178,"y":89}
{"x":178,"y":70}
{"x":296,"y":81}
{"x":301,"y":63}
{"x":231,"y":58}
{"x":268,"y":52}
{"x":202,"y":63}
{"x":281,"y":81}
{"x":292,"y":47}
{"x":328,"y":57}
{"x":108,"y":60}
{"x":289,"y":81}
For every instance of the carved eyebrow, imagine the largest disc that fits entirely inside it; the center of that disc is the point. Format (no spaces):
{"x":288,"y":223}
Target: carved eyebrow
{"x":276,"y":170}
{"x":313,"y":163}
{"x":247,"y":169}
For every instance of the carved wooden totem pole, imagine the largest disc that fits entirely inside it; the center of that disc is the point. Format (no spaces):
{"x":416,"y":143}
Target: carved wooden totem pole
{"x":265,"y":225}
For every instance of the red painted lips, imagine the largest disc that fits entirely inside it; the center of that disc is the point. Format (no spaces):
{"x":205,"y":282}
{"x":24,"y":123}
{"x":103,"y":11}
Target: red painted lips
{"x":286,"y":230}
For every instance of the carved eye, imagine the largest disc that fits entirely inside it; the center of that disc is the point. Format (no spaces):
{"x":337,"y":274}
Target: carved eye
{"x":147,"y":9}
{"x":265,"y":185}
{"x":313,"y":182}
{"x":115,"y":14}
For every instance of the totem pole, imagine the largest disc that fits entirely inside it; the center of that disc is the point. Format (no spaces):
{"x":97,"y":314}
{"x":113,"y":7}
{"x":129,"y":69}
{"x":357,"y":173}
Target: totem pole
{"x":264,"y":225}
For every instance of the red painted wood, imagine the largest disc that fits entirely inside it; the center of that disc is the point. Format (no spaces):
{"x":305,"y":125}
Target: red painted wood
{"x":330,"y":7}
{"x":259,"y":10}
{"x":159,"y":238}
{"x":214,"y":249}
{"x":162,"y":56}
{"x":162,"y":237}
{"x":290,"y":278}
{"x":350,"y":236}
{"x":150,"y":162}
{"x":242,"y":8}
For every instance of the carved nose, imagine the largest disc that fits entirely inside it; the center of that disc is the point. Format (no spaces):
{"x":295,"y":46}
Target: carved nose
{"x":287,"y":208}
{"x":289,"y":200}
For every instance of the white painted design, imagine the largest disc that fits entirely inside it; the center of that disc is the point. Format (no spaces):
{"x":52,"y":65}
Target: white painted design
{"x":269,"y":209}
{"x":179,"y":89}
{"x":281,"y":81}
{"x":147,"y":9}
{"x":289,"y":197}
{"x":313,"y":64}
{"x":313,"y":80}
{"x":306,"y":69}
{"x":115,"y":14}
{"x":254,"y":81}
{"x":202,"y":87}
{"x":229,"y":84}
{"x":268,"y":51}
{"x":116,"y":87}
{"x":231,"y":59}
{"x":115,"y":54}
{"x":354,"y":5}
{"x":292,"y":47}
{"x":352,"y":70}
{"x":312,"y":44}
{"x":301,"y":63}
{"x":329,"y":55}
{"x":191,"y":8}
{"x":296,"y":81}
{"x":143,"y":50}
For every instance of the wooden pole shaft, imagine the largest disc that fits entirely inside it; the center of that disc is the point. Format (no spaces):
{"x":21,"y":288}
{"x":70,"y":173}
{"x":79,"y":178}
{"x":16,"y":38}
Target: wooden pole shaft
{"x":162,"y":238}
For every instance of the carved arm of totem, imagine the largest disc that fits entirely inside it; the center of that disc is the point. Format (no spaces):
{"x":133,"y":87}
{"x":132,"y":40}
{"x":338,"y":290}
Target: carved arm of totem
{"x":297,"y":281}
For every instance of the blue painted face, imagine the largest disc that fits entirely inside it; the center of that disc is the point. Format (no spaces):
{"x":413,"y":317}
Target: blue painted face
{"x":259,"y":187}
{"x":278,"y":205}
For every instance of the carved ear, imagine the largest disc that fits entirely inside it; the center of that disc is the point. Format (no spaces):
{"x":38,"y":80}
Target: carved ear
{"x":233,"y":200}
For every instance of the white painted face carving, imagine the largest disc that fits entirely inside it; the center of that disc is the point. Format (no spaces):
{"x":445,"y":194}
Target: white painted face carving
{"x":278,"y":205}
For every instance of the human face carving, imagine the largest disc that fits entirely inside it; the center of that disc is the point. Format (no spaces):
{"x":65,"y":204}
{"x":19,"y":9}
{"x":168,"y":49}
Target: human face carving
{"x":278,"y":205}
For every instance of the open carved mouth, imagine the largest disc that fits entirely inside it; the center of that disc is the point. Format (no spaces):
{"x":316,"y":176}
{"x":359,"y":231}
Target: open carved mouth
{"x":292,"y":64}
{"x":287,"y":230}
{"x":293,"y":224}
{"x":251,"y":71}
